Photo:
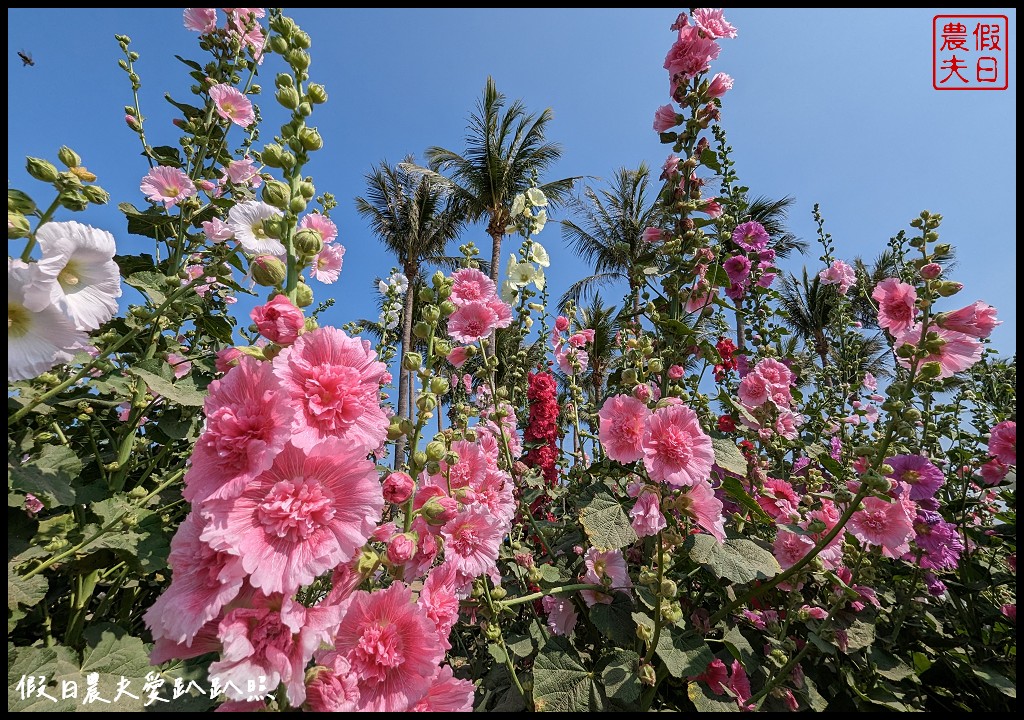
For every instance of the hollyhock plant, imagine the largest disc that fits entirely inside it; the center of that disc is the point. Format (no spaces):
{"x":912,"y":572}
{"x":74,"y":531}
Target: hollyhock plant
{"x":664,"y":119}
{"x":1002,"y":443}
{"x":977,"y":320}
{"x":309,"y":512}
{"x":601,"y":566}
{"x":676,"y":449}
{"x":167,"y":185}
{"x":562,"y":615}
{"x":751,"y":236}
{"x":646,"y":515}
{"x":623,"y":423}
{"x":327,"y":264}
{"x":955,"y":352}
{"x":447,"y":693}
{"x":897,"y":306}
{"x":883,"y":524}
{"x":279,"y":320}
{"x":698,"y":504}
{"x":721,"y":83}
{"x":839,"y":274}
{"x":232,"y":105}
{"x":391,"y":647}
{"x":333,"y":380}
{"x":923,"y":478}
{"x":246,"y":221}
{"x":471,"y":541}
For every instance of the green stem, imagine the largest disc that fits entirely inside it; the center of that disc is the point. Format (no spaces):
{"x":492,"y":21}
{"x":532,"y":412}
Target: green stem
{"x":550,"y":591}
{"x":657,"y":610}
{"x":26,"y":254}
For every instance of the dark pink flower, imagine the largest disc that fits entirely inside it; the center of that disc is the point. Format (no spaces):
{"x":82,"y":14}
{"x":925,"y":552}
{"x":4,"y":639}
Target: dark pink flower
{"x":1002,"y":442}
{"x":447,"y":693}
{"x":398,"y":487}
{"x":977,"y":320}
{"x":665,"y":119}
{"x":622,"y":425}
{"x":751,"y":236}
{"x":279,"y":320}
{"x":918,"y":472}
{"x":720,"y":85}
{"x":676,"y":449}
{"x":884,"y":524}
{"x":472,"y":322}
{"x":897,"y":306}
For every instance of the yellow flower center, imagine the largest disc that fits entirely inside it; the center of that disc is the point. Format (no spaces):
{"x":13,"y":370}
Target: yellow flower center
{"x":19,"y":319}
{"x":69,"y":277}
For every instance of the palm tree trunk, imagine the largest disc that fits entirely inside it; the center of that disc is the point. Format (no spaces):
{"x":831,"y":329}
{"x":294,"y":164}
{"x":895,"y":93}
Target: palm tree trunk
{"x":741,"y":330}
{"x":497,"y":235}
{"x":405,"y":376}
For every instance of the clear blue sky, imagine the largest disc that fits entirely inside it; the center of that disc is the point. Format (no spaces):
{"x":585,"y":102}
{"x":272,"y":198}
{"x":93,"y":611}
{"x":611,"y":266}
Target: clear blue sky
{"x":830,"y":106}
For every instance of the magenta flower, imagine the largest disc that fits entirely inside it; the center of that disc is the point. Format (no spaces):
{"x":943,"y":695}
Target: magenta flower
{"x":738,"y":269}
{"x":334,"y":382}
{"x":168,"y":185}
{"x":1002,"y":442}
{"x":676,"y":449}
{"x":977,"y":320}
{"x":712,"y":22}
{"x":918,"y":472}
{"x":248,"y":422}
{"x":279,"y":320}
{"x":664,"y":119}
{"x":896,"y":306}
{"x":699,"y":504}
{"x":232,"y":105}
{"x":275,"y":639}
{"x":939,"y":541}
{"x":646,"y":515}
{"x":839,"y":274}
{"x":391,"y":647}
{"x":561,"y":615}
{"x":609,"y":565}
{"x":308,"y":513}
{"x":472,"y":322}
{"x":327,"y":263}
{"x":884,"y":524}
{"x":447,"y":693}
{"x":623,"y":421}
{"x":751,"y":236}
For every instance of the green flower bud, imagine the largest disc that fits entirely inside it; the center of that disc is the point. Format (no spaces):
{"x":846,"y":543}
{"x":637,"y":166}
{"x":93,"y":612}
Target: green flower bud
{"x":283,"y":80}
{"x":298,"y":58}
{"x":948,"y":288}
{"x":268,"y":271}
{"x":17,"y":201}
{"x":419,"y":459}
{"x":368,"y":560}
{"x":316,"y":93}
{"x":309,"y":241}
{"x":69,"y":157}
{"x":843,"y":496}
{"x":647,"y":675}
{"x":288,"y":97}
{"x":433,"y":467}
{"x":447,"y":308}
{"x":287,"y":160}
{"x":426,"y":403}
{"x":395,"y":429}
{"x":74,"y":201}
{"x":40,"y":169}
{"x":310,"y":324}
{"x":629,"y":376}
{"x":307,"y":190}
{"x":943,"y":249}
{"x":439,"y":385}
{"x":668,"y":588}
{"x":278,"y":45}
{"x":412,"y":361}
{"x":930,"y":370}
{"x":442,"y":348}
{"x":301,"y":39}
{"x":644,"y":632}
{"x":271,"y":155}
{"x":435,"y":449}
{"x":17,"y":225}
{"x":96,"y":195}
{"x":498,"y":593}
{"x":303,"y":295}
{"x":310,"y":139}
{"x":421,"y":330}
{"x":304,"y":109}
{"x":817,"y":526}
{"x":431,"y":313}
{"x":276,"y":193}
{"x":425,"y":294}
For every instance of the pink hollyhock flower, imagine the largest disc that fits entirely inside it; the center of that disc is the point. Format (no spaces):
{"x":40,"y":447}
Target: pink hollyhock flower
{"x":977,"y":320}
{"x":789,"y":548}
{"x":670,"y":167}
{"x":232,"y":105}
{"x":699,"y":504}
{"x":227,"y":359}
{"x":600,"y":565}
{"x":754,"y":390}
{"x":646,"y":515}
{"x":778,"y":499}
{"x":739,"y":684}
{"x":896,"y":306}
{"x":217,"y":231}
{"x":248,"y":422}
{"x":839,"y":274}
{"x":327,"y":263}
{"x":275,"y":639}
{"x":676,"y":371}
{"x":471,"y":286}
{"x":1009,"y":611}
{"x":779,"y":378}
{"x":398,"y":487}
{"x":993,"y":472}
{"x":33,"y":505}
{"x":495,"y":493}
{"x":203,"y":582}
{"x":885,"y":524}
{"x":751,"y":236}
{"x":472,"y":322}
{"x":918,"y":472}
{"x":322,"y":224}
{"x":201,"y":20}
{"x":439,"y":600}
{"x":699,"y":301}
{"x":1002,"y":442}
{"x":401,"y":548}
{"x":957,"y":352}
{"x":622,"y":423}
{"x":168,"y":185}
{"x":738,"y":269}
{"x":676,"y":449}
{"x":311,"y":511}
{"x":712,"y":22}
{"x":566,"y":354}
{"x":471,"y":541}
{"x":458,"y":356}
{"x":242,"y":172}
{"x":713,"y":209}
{"x":391,"y":646}
{"x":334,"y":381}
{"x":939,"y":541}
{"x":447,"y":694}
{"x":332,"y":687}
{"x":279,"y":320}
{"x":690,"y":55}
{"x":716,"y":675}
{"x":561,"y":323}
{"x":654,"y":235}
{"x":720,"y":85}
{"x":561,"y":615}
{"x":664,"y":119}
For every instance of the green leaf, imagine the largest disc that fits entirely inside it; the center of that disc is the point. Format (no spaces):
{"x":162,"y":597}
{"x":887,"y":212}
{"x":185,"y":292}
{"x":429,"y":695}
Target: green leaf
{"x":183,"y":392}
{"x":733,"y":487}
{"x":738,"y":560}
{"x":150,"y":283}
{"x":606,"y":523}
{"x":190,"y":111}
{"x":706,"y":701}
{"x":166,"y":155}
{"x":815,"y":699}
{"x":615,"y":620}
{"x":821,"y":643}
{"x":684,"y":653}
{"x":619,"y":676}
{"x":24,"y":591}
{"x":997,"y":680}
{"x":48,"y":476}
{"x":888,"y":666}
{"x":497,"y":652}
{"x":54,"y":663}
{"x":549,"y":573}
{"x":151,"y":222}
{"x":560,"y":681}
{"x":519,"y":645}
{"x":830,"y":464}
{"x":921,"y":662}
{"x":131,"y":264}
{"x":728,"y":456}
{"x":709,"y":159}
{"x":859,"y":635}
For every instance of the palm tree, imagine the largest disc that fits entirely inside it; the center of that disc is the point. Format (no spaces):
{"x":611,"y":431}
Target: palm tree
{"x":505,"y":150}
{"x":605,"y":321}
{"x":415,"y":218}
{"x":611,"y":235}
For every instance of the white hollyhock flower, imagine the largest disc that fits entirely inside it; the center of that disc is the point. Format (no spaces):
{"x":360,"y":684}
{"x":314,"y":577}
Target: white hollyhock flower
{"x":518,"y":205}
{"x":536,"y":197}
{"x":79,"y":273}
{"x":509,"y":292}
{"x":246,"y":222}
{"x":36,"y":339}
{"x":538,"y":278}
{"x":520,"y":274}
{"x":539,"y":255}
{"x":538,"y":221}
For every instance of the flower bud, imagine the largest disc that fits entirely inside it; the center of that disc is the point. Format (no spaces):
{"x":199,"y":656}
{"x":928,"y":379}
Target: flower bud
{"x":301,"y":39}
{"x":425,"y":403}
{"x":436,"y":450}
{"x":439,"y":385}
{"x":268,"y":271}
{"x":412,"y":361}
{"x":647,"y":675}
{"x":278,"y":45}
{"x":298,"y":59}
{"x":442,"y":348}
{"x":276,"y":193}
{"x":421,"y":330}
{"x":304,"y":109}
{"x":439,"y":509}
{"x":930,"y":370}
{"x":41,"y":169}
{"x":948,"y":288}
{"x":303,"y":295}
{"x":96,"y":195}
{"x":316,"y":93}
{"x":271,"y":155}
{"x":69,"y":157}
{"x":17,"y":201}
{"x":283,"y":80}
{"x":288,"y":97}
{"x":448,"y":308}
{"x":931,"y":271}
{"x":74,"y":201}
{"x":308,"y":241}
{"x":644,"y":632}
{"x":668,"y":588}
{"x":310,"y":139}
{"x":431,"y":313}
{"x":17,"y":226}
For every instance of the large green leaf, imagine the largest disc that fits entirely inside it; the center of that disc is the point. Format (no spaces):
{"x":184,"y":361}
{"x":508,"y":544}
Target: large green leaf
{"x":615,"y":620}
{"x":728,"y":456}
{"x":706,"y":701}
{"x":606,"y":522}
{"x":24,"y":591}
{"x":560,"y":681}
{"x":997,"y":680}
{"x":738,"y":560}
{"x":619,"y":676}
{"x":48,"y":476}
{"x":183,"y":392}
{"x":684,"y":653}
